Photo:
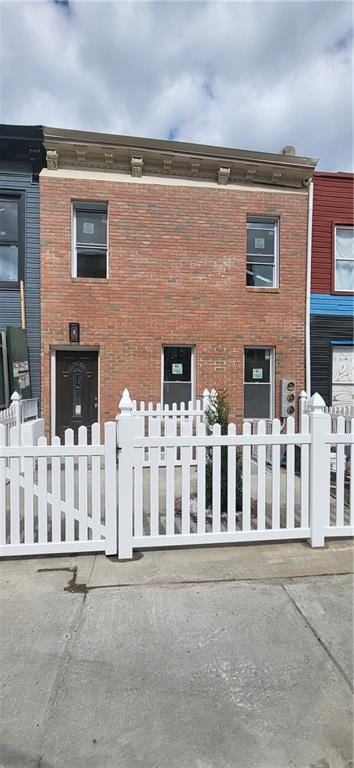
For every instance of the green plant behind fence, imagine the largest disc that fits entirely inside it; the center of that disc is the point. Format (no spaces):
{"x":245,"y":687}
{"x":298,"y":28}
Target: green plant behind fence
{"x":218,"y":413}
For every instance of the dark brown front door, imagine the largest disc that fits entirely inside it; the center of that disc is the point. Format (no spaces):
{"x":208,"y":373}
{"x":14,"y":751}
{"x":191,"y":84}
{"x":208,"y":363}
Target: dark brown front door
{"x":76,"y":391}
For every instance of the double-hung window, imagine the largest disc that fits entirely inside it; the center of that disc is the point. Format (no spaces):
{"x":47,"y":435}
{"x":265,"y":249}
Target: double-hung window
{"x":258,"y":383}
{"x":90,"y":240}
{"x":344,"y":259}
{"x":11,"y":240}
{"x":262,"y":252}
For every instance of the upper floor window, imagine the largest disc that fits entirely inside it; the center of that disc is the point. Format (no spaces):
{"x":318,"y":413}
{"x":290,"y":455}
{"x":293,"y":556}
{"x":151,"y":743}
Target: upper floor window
{"x":262,"y":252}
{"x":11,"y":240}
{"x":90,"y":240}
{"x":344,"y":259}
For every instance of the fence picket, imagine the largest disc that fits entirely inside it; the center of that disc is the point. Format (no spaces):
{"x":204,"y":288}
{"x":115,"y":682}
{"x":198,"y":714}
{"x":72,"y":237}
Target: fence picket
{"x":154,"y":431}
{"x":82,"y":439}
{"x":28,"y":490}
{"x":186,"y":430}
{"x":261,"y":479}
{"x":42,"y":496}
{"x":96,"y":484}
{"x":231,"y":481}
{"x":56,"y":495}
{"x":139,"y":431}
{"x":275,"y":477}
{"x":69,"y":487}
{"x":170,"y":430}
{"x":246,"y":480}
{"x":216,"y":494}
{"x":15,"y":489}
{"x":304,"y":479}
{"x":3,"y":442}
{"x":201,"y":503}
{"x":340,"y":462}
{"x":290,"y":475}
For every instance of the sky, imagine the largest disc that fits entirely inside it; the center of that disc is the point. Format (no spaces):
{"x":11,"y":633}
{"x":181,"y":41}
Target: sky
{"x":249,"y":75}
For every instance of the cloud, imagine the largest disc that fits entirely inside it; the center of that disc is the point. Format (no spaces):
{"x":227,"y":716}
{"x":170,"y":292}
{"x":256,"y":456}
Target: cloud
{"x":254,"y":75}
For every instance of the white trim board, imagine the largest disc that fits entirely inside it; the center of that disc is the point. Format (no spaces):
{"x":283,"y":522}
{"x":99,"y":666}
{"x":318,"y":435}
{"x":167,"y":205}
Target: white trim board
{"x":167,"y":181}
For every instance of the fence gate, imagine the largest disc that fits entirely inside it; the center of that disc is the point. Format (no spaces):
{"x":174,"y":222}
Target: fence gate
{"x":58,"y":498}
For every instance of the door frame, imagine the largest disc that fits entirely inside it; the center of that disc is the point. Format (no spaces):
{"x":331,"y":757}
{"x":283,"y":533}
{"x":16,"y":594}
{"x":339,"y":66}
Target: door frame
{"x":53,"y":372}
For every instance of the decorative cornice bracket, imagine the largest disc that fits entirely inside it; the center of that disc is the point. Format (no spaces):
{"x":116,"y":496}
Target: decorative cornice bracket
{"x":223,"y":175}
{"x":136,"y":165}
{"x":52,"y":160}
{"x":81,"y":153}
{"x":108,"y":159}
{"x":276,"y":177}
{"x":167,"y":165}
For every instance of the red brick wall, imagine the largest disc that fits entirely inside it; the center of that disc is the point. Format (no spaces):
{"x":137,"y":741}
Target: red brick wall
{"x":176,"y":276}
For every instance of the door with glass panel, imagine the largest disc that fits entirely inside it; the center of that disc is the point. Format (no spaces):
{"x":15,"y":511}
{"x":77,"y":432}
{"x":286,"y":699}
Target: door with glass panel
{"x":76,"y":391}
{"x":177,"y":372}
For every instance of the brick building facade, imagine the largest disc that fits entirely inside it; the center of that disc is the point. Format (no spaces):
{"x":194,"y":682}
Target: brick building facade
{"x":174,"y":221}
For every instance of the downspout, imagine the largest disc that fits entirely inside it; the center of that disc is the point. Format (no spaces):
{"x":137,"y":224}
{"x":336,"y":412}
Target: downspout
{"x":23,"y":306}
{"x":308,"y":290}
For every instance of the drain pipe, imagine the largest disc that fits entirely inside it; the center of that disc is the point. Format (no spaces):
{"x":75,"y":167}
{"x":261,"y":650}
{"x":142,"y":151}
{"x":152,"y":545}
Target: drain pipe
{"x":308,"y":289}
{"x":23,"y":305}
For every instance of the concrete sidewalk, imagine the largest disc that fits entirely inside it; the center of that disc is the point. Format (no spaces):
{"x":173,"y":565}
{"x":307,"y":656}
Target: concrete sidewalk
{"x":234,"y":657}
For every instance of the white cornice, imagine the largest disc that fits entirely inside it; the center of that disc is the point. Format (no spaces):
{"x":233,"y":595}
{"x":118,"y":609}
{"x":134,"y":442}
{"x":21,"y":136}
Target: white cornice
{"x":73,"y":150}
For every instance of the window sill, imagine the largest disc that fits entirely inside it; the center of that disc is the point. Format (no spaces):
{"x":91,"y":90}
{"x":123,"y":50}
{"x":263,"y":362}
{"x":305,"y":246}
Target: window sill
{"x":90,"y":280}
{"x":9,"y":286}
{"x":342,"y":293}
{"x":258,"y":289}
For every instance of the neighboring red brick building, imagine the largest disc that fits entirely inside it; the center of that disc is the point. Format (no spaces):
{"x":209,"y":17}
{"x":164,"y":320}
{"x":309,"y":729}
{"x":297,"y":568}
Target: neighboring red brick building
{"x":149,"y":246}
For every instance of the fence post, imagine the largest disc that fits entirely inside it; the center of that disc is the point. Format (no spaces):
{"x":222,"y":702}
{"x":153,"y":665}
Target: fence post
{"x":205,"y":401}
{"x":16,"y":402}
{"x":302,"y":405}
{"x":319,"y":478}
{"x":110,"y":479}
{"x":125,"y":478}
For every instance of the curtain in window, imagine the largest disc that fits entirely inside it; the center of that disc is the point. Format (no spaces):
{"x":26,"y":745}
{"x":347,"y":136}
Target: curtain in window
{"x":344,"y":259}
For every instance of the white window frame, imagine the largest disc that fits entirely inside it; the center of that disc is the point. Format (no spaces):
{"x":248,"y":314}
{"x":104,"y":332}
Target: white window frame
{"x":193,"y":368}
{"x":94,"y":207}
{"x":271,"y":381}
{"x":340,"y":226}
{"x":253,"y":220}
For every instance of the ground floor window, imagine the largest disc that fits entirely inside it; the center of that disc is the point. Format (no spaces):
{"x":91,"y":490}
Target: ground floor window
{"x":177,"y":375}
{"x":342,"y":374}
{"x":258,"y":382}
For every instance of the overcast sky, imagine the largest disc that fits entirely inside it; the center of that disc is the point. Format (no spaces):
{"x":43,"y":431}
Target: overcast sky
{"x":251,"y":75}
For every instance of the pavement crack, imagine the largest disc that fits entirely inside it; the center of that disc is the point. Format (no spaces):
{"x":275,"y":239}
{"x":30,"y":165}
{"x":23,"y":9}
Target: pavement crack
{"x":319,"y":639}
{"x":61,"y":670}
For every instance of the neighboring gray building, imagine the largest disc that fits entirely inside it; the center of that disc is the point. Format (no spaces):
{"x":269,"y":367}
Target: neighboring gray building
{"x":21,"y":160}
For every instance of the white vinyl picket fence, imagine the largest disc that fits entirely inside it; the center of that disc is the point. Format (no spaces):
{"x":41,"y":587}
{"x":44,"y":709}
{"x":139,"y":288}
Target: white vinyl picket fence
{"x":162,"y":480}
{"x":57,"y":498}
{"x":176,"y":482}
